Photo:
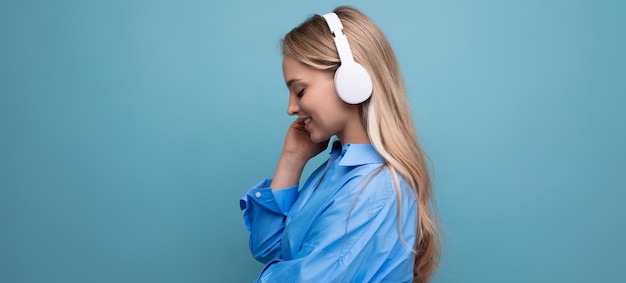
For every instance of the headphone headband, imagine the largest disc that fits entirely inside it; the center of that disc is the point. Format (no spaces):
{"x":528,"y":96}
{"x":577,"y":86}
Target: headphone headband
{"x":341,"y":41}
{"x":333,"y":22}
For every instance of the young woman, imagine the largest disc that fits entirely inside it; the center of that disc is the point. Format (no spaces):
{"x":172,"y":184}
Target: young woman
{"x":365,"y":215}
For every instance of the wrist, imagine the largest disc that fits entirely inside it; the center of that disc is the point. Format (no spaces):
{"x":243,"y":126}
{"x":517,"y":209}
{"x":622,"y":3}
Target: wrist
{"x":288,"y":171}
{"x":293,"y":160}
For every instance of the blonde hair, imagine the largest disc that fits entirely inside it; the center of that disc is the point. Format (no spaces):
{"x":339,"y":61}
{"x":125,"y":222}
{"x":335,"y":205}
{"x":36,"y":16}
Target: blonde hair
{"x":385,"y":115}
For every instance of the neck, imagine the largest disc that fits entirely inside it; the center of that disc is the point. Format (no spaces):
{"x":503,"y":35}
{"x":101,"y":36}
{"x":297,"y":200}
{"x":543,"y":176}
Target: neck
{"x":354,"y":133}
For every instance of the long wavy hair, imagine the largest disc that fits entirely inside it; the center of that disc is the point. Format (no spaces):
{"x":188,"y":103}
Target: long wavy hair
{"x":386,"y":115}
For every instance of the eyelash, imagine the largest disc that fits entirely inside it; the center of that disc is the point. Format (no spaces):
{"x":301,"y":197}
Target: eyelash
{"x":299,"y":94}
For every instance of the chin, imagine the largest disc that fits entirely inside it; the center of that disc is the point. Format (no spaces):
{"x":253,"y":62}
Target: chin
{"x":318,"y":139}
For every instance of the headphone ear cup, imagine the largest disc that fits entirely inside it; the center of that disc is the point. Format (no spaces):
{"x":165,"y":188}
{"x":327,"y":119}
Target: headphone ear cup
{"x":353,"y":83}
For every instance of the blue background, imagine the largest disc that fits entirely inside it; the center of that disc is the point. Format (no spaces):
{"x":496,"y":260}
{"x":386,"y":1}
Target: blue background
{"x":129,"y":130}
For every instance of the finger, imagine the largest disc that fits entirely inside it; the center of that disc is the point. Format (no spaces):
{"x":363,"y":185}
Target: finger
{"x":298,"y":124}
{"x":299,"y":121}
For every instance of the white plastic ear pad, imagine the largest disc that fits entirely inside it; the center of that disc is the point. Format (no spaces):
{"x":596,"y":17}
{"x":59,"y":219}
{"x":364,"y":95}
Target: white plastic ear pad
{"x":353,"y":83}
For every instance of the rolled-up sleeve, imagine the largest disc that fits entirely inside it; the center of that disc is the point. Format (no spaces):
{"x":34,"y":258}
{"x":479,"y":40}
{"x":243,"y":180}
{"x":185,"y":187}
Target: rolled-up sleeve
{"x":264,"y":217}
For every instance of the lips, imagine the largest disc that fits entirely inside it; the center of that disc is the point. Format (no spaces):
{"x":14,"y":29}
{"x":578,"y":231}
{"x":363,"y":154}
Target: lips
{"x":306,"y":123}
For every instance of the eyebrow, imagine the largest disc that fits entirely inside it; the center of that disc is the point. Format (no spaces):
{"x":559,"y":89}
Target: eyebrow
{"x":290,"y":82}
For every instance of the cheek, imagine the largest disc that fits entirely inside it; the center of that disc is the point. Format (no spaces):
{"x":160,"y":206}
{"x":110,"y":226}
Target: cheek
{"x":310,"y":104}
{"x":323,"y":104}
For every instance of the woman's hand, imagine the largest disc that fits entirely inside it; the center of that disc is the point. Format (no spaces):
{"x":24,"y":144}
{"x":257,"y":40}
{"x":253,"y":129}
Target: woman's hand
{"x":298,"y":149}
{"x":298,"y":142}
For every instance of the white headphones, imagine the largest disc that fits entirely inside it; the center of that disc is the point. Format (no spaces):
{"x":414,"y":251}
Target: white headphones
{"x":352,"y":81}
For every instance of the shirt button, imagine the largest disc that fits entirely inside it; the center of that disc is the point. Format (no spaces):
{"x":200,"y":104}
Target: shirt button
{"x":257,"y":194}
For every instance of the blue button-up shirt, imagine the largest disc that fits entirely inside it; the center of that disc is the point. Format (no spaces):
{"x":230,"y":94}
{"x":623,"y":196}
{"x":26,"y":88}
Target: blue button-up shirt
{"x":342,"y":226}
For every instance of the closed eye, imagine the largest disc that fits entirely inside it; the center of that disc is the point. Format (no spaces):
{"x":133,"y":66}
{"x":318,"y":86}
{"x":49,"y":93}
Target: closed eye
{"x":300,"y":94}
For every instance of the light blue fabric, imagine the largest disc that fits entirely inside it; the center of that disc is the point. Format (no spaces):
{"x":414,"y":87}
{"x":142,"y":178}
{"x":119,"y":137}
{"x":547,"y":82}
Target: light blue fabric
{"x":343,"y":230}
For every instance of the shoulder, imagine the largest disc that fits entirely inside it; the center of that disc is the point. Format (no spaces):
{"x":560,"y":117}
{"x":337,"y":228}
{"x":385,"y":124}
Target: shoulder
{"x":385,"y":182}
{"x":374,"y":185}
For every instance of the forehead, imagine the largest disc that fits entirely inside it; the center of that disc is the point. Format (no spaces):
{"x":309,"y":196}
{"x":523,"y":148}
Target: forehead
{"x":292,"y":66}
{"x":294,"y":70}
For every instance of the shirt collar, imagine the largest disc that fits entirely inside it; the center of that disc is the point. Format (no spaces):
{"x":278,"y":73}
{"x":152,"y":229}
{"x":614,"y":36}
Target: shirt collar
{"x":356,"y":154}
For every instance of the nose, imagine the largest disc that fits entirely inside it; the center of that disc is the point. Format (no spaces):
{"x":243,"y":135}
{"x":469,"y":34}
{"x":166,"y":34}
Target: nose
{"x":293,"y":108}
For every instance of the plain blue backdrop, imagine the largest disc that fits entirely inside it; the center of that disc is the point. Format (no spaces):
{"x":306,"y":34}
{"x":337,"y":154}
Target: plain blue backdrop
{"x":129,"y":130}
